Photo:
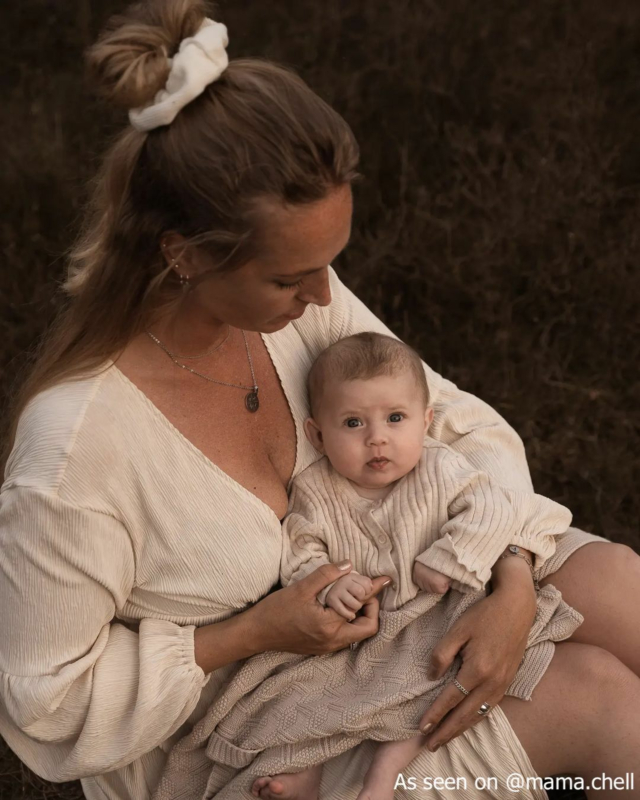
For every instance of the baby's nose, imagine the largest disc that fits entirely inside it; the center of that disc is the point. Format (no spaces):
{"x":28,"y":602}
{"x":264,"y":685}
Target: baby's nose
{"x":377,"y":438}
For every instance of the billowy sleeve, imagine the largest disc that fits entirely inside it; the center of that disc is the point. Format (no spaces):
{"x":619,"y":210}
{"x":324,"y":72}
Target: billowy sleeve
{"x":81,"y":694}
{"x":467,"y":424}
{"x":305,"y":542}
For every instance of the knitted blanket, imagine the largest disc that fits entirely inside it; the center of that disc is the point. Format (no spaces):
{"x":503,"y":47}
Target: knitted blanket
{"x":282,"y":712}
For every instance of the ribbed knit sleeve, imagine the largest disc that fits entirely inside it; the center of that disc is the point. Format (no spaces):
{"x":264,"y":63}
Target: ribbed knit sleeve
{"x":81,"y":694}
{"x":304,"y":547}
{"x":481,"y":524}
{"x":464,"y":422}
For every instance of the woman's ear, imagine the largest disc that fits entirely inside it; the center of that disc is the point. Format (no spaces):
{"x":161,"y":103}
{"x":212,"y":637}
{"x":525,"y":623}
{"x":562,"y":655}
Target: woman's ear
{"x":314,"y":434}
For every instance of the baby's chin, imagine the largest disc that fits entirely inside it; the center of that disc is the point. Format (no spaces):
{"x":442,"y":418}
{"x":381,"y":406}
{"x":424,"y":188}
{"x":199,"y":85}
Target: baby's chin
{"x":371,"y":478}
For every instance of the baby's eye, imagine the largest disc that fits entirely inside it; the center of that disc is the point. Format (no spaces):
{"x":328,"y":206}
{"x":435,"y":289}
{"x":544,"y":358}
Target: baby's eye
{"x":352,"y":422}
{"x":396,"y":417}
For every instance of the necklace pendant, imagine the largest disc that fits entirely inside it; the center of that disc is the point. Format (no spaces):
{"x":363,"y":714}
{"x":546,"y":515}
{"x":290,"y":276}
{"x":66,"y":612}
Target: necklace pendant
{"x":251,"y":401}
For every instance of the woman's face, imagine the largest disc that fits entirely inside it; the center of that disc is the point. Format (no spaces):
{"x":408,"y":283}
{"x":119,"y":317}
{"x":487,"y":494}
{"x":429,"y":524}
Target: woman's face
{"x":267,"y":293}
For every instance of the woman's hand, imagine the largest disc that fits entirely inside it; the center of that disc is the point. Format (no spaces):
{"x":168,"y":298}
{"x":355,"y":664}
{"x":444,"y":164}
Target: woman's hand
{"x":292,"y":619}
{"x":491,"y":637}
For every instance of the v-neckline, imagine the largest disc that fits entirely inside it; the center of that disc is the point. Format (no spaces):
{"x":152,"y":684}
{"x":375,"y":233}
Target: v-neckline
{"x":200,"y":454}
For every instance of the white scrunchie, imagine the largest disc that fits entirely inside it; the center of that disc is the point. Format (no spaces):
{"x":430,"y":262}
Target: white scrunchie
{"x":200,"y":60}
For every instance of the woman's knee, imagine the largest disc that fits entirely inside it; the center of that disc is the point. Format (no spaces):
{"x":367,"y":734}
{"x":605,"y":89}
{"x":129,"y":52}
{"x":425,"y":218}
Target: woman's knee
{"x":575,"y":702}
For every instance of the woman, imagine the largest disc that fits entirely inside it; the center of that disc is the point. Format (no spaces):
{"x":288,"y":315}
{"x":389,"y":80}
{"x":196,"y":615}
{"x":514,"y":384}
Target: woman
{"x":160,"y":429}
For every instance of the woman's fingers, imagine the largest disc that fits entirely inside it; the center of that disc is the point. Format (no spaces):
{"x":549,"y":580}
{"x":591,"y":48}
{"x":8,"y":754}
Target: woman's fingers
{"x":376,"y":585}
{"x":446,"y":650}
{"x":463,"y":715}
{"x":448,"y":699}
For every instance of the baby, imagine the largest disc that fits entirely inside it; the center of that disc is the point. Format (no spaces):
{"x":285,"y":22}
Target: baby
{"x":392,"y":501}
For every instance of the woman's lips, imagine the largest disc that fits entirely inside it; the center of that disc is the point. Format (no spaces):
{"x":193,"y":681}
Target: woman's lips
{"x":295,"y":316}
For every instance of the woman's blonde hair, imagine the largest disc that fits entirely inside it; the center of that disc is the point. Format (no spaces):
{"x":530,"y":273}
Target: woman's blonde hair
{"x":257,"y":133}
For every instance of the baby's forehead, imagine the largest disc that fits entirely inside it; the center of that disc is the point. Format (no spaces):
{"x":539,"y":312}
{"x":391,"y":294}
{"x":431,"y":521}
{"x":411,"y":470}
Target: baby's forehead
{"x":396,"y":387}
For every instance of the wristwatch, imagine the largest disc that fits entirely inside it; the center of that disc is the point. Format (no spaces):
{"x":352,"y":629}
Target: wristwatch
{"x":514,"y":550}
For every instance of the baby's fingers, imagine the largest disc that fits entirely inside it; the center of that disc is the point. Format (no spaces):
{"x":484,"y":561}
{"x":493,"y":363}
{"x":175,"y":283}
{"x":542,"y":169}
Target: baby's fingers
{"x":351,"y":602}
{"x":338,"y":606}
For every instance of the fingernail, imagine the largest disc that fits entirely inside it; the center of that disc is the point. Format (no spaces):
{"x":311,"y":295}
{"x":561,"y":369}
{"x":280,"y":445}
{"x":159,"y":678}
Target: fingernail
{"x":387,"y":582}
{"x":426,"y":727}
{"x":434,"y":747}
{"x":344,"y":564}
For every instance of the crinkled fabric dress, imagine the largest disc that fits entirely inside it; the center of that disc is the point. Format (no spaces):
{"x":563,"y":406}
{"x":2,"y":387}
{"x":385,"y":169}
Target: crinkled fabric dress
{"x":108,"y":566}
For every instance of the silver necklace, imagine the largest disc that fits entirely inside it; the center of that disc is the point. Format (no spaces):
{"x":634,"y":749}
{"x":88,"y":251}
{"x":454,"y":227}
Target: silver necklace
{"x":251,"y":401}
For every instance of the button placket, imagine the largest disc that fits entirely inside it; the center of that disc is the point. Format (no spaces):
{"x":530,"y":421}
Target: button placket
{"x":384,"y":545}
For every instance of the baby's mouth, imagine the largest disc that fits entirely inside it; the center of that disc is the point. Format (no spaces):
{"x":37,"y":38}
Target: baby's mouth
{"x":378,"y":463}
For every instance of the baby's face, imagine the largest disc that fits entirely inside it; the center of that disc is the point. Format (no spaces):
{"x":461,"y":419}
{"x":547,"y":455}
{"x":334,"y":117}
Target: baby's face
{"x":371,"y":430}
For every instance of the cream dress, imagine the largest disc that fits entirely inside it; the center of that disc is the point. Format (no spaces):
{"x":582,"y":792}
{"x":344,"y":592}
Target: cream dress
{"x":118,"y":537}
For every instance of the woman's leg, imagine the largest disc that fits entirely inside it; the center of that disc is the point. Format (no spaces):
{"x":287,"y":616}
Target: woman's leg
{"x":602,"y":582}
{"x":582,"y":718}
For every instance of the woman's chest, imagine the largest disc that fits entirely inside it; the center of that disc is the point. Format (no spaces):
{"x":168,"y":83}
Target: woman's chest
{"x":257,"y":450}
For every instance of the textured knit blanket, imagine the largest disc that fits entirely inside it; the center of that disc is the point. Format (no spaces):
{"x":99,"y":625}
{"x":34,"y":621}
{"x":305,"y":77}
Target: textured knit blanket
{"x":282,"y":712}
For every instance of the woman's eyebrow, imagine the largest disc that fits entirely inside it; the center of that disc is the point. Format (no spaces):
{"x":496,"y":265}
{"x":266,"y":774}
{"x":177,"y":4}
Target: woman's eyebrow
{"x":309,"y":271}
{"x":298,"y":274}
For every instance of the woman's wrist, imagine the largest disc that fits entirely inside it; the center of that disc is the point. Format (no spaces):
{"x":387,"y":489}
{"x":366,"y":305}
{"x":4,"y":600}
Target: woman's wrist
{"x":513,"y":570}
{"x":221,"y":643}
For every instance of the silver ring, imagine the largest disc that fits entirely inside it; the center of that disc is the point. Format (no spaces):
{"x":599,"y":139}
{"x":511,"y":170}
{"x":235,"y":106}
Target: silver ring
{"x":353,"y":646}
{"x":459,"y":686}
{"x":485,"y":708}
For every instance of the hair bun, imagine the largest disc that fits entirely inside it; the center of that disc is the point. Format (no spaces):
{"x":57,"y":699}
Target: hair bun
{"x":128,"y":62}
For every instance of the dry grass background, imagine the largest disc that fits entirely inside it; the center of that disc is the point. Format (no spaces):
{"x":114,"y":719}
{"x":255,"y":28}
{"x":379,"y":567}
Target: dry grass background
{"x":497,"y":230}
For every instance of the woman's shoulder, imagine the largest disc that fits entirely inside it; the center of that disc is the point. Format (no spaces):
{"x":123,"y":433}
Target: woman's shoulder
{"x":69,"y":416}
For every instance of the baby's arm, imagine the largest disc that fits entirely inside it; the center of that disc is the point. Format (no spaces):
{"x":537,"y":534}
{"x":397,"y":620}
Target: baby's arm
{"x":481,"y":524}
{"x":483,"y":520}
{"x":306,"y":539}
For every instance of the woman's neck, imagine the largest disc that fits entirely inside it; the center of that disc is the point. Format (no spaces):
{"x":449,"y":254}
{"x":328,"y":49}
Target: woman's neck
{"x":189,"y":331}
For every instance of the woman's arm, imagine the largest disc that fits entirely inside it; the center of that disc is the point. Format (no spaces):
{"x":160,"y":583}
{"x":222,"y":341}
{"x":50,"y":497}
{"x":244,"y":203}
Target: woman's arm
{"x":80,"y":693}
{"x":290,"y":620}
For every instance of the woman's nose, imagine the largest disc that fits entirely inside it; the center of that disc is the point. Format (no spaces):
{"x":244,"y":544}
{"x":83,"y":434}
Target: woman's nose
{"x":316,"y":290}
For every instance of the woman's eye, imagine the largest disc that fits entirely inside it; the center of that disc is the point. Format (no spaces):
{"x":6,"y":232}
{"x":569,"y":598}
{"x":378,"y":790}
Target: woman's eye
{"x":288,"y":285}
{"x":396,"y":417}
{"x":352,"y":422}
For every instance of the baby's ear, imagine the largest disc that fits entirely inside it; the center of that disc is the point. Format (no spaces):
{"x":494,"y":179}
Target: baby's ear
{"x":314,"y":434}
{"x":428,"y":419}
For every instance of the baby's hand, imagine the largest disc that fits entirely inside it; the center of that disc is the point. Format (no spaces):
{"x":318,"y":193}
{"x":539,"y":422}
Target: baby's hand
{"x":430,"y":579}
{"x":347,"y":594}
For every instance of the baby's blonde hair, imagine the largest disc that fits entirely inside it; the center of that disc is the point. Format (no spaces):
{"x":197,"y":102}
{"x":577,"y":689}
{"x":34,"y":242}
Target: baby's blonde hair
{"x":360,"y":357}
